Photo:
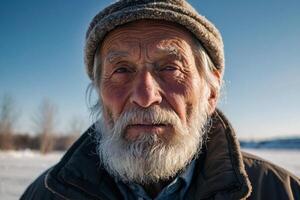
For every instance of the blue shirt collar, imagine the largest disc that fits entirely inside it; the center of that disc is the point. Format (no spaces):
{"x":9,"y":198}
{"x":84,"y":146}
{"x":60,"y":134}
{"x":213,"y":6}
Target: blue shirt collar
{"x":175,"y":190}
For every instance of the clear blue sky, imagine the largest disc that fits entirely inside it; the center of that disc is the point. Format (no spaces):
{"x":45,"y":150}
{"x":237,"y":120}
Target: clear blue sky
{"x":41,"y":56}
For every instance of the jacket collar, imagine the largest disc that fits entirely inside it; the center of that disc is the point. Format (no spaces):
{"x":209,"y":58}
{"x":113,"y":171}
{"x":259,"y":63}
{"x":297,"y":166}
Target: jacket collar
{"x":223,"y":169}
{"x":79,"y":174}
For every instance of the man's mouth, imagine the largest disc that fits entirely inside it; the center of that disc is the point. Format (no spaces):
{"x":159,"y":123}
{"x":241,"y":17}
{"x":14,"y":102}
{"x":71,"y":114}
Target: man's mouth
{"x":146,"y":126}
{"x":134,"y":130}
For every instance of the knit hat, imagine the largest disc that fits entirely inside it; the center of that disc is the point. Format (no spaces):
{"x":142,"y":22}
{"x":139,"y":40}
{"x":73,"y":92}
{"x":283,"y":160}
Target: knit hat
{"x":178,"y":11}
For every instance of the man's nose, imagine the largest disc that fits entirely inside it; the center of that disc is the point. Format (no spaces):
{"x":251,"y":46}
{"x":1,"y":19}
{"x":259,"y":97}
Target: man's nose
{"x":146,"y":90}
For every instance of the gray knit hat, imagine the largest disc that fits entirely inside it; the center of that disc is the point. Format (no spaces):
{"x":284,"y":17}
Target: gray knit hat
{"x":178,"y":11}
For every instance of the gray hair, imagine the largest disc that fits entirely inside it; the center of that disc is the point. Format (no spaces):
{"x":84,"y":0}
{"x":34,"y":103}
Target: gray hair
{"x":207,"y":69}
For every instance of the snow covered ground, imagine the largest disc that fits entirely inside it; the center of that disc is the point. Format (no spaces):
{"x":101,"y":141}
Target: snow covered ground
{"x":288,"y":159}
{"x":19,"y":169}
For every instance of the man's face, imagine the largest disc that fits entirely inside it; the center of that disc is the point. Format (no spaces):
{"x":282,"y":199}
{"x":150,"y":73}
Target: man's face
{"x":148,"y":64}
{"x":154,"y":103}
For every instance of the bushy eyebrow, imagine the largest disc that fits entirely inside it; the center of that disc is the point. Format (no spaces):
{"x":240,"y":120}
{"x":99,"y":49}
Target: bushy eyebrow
{"x":114,"y":56}
{"x":167,"y":50}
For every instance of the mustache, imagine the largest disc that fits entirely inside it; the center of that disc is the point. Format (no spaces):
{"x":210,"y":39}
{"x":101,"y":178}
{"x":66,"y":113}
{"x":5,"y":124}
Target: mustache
{"x":147,"y":116}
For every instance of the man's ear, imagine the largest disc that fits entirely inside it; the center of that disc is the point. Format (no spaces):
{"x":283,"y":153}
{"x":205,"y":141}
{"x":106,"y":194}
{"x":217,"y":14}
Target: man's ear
{"x":214,"y":93}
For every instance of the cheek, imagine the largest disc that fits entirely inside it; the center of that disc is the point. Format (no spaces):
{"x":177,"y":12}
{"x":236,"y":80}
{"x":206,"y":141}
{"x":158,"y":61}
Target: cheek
{"x":183,"y":98}
{"x":113,"y":99}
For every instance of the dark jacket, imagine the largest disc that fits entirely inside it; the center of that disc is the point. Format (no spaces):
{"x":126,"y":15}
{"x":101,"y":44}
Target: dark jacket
{"x":225,"y":173}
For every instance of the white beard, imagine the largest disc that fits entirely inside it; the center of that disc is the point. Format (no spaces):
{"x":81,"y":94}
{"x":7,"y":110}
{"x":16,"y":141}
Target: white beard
{"x":150,"y":157}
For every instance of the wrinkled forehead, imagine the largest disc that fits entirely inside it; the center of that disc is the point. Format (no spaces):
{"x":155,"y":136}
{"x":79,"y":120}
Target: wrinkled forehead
{"x":147,"y":33}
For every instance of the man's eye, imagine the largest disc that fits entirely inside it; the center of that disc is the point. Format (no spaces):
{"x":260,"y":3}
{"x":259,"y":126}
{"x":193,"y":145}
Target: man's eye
{"x":168,"y":68}
{"x":122,"y":70}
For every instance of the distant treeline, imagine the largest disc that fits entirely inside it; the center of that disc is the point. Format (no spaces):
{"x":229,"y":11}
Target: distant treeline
{"x":286,"y":143}
{"x":36,"y":142}
{"x":44,"y":123}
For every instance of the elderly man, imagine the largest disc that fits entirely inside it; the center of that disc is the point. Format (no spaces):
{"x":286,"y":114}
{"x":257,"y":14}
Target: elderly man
{"x":157,"y":66}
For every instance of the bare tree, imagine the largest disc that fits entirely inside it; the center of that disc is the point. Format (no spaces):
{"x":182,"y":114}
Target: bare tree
{"x":45,"y":124}
{"x":7,"y":121}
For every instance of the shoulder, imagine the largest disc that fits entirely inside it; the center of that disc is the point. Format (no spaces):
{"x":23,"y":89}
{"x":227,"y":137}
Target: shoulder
{"x":269,"y":180}
{"x":38,"y":190}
